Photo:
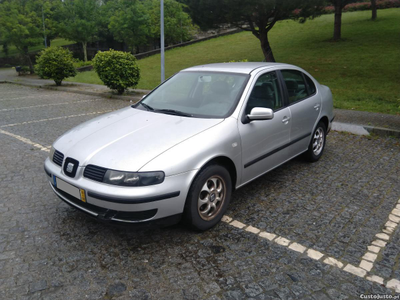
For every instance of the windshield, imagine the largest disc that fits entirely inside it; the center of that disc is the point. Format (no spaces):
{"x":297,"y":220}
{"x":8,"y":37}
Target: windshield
{"x":197,"y":94}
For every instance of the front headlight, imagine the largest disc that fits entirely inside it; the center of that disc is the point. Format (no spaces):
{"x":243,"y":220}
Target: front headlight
{"x":51,"y":154}
{"x":133,"y":178}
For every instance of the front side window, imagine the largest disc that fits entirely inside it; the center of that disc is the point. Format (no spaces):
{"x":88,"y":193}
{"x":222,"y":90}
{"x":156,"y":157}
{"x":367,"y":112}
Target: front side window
{"x":266,"y":93}
{"x":295,"y":85}
{"x":197,"y":94}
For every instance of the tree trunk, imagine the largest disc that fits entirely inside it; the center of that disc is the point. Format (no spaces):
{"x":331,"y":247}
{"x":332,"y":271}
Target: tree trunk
{"x":266,"y":47}
{"x":373,"y":8}
{"x":5,"y":49}
{"x":84,"y":45}
{"x":28,"y":59}
{"x":338,"y":21}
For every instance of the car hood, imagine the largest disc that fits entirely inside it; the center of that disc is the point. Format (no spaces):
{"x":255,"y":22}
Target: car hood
{"x":128,"y":138}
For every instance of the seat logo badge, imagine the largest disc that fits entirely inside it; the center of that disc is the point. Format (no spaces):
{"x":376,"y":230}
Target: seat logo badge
{"x":213,"y":197}
{"x":70,"y":167}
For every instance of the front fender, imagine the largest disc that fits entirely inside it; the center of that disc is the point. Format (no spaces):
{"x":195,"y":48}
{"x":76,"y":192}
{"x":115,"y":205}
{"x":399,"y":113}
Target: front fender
{"x":193,"y":153}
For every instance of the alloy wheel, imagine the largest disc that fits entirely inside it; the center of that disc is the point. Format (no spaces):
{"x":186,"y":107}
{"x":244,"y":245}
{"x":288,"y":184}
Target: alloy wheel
{"x":211,"y":197}
{"x":318,"y":141}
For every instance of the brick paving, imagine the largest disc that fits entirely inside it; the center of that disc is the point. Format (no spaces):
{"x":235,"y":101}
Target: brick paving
{"x":336,"y":206}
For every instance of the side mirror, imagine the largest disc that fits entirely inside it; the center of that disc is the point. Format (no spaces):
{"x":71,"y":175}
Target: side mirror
{"x":260,"y":113}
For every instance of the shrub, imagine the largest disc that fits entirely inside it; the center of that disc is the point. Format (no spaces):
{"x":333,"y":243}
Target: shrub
{"x":55,"y":63}
{"x":118,"y":70}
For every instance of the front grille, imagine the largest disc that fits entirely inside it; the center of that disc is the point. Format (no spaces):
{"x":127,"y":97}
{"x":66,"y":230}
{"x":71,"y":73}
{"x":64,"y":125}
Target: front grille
{"x":94,"y":172}
{"x":58,"y":158}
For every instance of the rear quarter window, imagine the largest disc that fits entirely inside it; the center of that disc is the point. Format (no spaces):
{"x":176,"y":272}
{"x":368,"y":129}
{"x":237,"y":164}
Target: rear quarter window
{"x":311,"y":86}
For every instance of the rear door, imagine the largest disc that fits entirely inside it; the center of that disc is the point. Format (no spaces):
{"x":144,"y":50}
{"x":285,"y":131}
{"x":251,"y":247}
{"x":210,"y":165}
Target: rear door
{"x":305,"y":106}
{"x":264,"y":142}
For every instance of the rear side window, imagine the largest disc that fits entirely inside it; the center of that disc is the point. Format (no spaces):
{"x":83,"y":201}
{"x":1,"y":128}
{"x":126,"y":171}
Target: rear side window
{"x":310,"y":85}
{"x":295,"y":85}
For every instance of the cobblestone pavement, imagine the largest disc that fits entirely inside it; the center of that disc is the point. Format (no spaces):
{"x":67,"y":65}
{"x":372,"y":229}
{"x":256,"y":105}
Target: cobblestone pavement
{"x":335,"y":207}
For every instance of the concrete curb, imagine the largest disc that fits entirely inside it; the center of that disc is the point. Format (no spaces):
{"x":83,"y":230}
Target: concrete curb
{"x":132,"y":98}
{"x":365,"y":130}
{"x":385,"y":132}
{"x":351,"y":128}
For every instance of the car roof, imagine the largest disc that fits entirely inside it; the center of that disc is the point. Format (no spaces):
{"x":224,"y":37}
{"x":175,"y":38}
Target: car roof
{"x":236,"y":67}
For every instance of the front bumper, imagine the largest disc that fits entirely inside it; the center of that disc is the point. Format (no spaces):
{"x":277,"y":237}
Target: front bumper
{"x":124,"y":204}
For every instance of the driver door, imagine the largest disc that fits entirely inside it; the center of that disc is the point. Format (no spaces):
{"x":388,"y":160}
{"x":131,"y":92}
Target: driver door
{"x":264,"y":143}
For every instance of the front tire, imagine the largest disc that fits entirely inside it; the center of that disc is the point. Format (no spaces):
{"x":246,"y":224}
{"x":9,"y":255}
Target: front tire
{"x":208,"y":197}
{"x":317,"y":143}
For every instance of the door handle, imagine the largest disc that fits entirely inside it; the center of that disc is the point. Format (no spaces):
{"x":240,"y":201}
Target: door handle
{"x":285,"y":120}
{"x":316,"y":106}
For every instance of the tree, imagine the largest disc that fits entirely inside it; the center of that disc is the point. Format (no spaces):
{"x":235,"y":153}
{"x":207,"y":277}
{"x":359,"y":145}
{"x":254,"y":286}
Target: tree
{"x":337,"y":28}
{"x":130,"y":24}
{"x":5,"y":49}
{"x":257,"y":16}
{"x":79,"y":21}
{"x":48,"y":13}
{"x":55,"y":63}
{"x":20,"y":27}
{"x":107,"y":10}
{"x":373,"y":8}
{"x":178,"y":25}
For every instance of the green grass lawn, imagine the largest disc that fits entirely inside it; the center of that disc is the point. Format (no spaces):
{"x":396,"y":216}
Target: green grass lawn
{"x":362,"y":70}
{"x":56,"y":42}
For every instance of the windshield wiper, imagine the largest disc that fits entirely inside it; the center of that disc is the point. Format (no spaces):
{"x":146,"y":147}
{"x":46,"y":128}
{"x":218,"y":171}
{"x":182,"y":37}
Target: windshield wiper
{"x":148,"y":107}
{"x":173,"y":112}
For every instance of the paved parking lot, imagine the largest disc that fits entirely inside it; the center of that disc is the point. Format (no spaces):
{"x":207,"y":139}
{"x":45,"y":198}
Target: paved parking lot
{"x":304,"y":231}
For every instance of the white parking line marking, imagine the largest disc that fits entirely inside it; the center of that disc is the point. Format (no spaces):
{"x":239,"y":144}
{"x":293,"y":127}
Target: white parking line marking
{"x":45,"y":105}
{"x":355,"y":270}
{"x":26,"y":141}
{"x":376,"y":279}
{"x":333,"y":262}
{"x":314,"y":254}
{"x":394,"y":284}
{"x":26,"y":97}
{"x":282,"y":241}
{"x":367,"y":262}
{"x":297,"y":247}
{"x":56,"y":118}
{"x":391,"y":283}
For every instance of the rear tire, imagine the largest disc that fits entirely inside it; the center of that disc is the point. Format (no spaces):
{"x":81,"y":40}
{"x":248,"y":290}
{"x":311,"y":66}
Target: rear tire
{"x":208,"y":197}
{"x":317,"y":143}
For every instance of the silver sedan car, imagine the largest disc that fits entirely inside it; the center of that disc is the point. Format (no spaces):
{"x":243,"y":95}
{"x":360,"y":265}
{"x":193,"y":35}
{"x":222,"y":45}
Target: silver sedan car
{"x":183,"y":149}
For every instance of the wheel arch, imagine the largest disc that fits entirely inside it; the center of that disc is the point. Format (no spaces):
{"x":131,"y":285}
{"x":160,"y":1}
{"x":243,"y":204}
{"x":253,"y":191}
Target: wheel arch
{"x":225,"y":162}
{"x":222,"y":161}
{"x":325,"y":120}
